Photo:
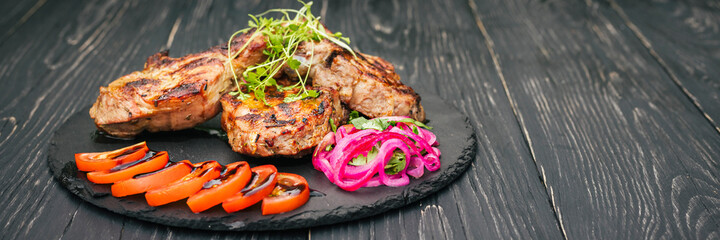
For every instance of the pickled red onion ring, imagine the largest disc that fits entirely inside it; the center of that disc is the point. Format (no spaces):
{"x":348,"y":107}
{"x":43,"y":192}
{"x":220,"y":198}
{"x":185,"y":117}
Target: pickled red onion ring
{"x":337,"y":149}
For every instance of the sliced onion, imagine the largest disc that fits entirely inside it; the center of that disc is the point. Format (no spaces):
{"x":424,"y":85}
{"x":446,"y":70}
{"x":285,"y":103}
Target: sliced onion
{"x":348,"y":143}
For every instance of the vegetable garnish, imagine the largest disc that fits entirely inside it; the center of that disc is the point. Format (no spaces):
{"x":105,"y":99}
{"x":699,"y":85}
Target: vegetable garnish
{"x":262,"y":184}
{"x":381,"y":123}
{"x":205,"y":184}
{"x":282,"y":37}
{"x":291,"y":192}
{"x":149,"y":181}
{"x":379,"y":151}
{"x":186,"y":186}
{"x":214,"y":192}
{"x":151,"y":162}
{"x":99,"y":161}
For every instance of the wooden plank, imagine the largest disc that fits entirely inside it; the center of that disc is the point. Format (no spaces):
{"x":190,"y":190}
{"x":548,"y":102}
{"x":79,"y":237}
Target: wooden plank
{"x":59,"y":57}
{"x":437,"y":48}
{"x":27,"y":187}
{"x":621,"y":150}
{"x":89,"y":44}
{"x":686,"y":45}
{"x":14,"y":13}
{"x":97,"y":42}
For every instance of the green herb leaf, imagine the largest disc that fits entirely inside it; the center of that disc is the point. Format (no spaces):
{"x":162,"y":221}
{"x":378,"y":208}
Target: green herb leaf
{"x":283,"y":36}
{"x":292,"y":98}
{"x":363,"y":159}
{"x":363,"y":123}
{"x":354,"y":114}
{"x":413,"y":121}
{"x":260,"y":94}
{"x":294,"y":64}
{"x":396,"y":164}
{"x":311,"y":93}
{"x":358,"y":122}
{"x":380,"y":124}
{"x":332,"y":125}
{"x":377,"y":124}
{"x":243,"y":96}
{"x":270,"y":82}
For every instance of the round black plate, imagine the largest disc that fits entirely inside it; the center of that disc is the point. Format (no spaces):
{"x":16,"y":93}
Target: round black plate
{"x":328,"y":204}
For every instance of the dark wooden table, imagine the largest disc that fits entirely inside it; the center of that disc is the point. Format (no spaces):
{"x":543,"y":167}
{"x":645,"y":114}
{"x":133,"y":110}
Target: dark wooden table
{"x":595,"y":119}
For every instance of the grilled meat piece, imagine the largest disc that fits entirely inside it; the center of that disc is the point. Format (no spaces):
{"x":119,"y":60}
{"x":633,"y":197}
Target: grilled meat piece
{"x":367,"y":84}
{"x":178,"y":93}
{"x":279,"y":128}
{"x":171,"y":93}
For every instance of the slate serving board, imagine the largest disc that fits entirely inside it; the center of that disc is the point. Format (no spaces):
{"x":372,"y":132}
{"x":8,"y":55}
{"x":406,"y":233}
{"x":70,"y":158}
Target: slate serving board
{"x":328,"y":203}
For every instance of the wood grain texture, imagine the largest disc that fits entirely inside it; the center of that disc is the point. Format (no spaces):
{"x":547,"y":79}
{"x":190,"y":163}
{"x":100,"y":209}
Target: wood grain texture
{"x":622,"y":151}
{"x":14,"y":13}
{"x":30,"y":197}
{"x":52,"y":76}
{"x":437,"y":48}
{"x":687,"y":45}
{"x":90,"y":43}
{"x":600,"y":141}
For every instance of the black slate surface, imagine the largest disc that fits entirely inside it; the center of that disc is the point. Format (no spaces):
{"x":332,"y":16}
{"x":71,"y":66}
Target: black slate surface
{"x":328,"y":204}
{"x":594,"y":119}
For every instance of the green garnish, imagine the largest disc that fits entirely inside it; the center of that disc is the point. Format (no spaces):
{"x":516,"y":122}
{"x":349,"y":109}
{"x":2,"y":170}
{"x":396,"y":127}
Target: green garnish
{"x":363,"y":159}
{"x":396,"y":164}
{"x":415,"y":130}
{"x":413,"y":121}
{"x":363,"y":123}
{"x":381,"y":124}
{"x":283,"y":36}
{"x":332,"y":125}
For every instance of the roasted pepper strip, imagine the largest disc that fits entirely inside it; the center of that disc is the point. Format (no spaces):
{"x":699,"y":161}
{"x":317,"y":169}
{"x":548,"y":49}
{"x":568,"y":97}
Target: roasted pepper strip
{"x":99,"y":161}
{"x":263,"y":181}
{"x":145,"y":182}
{"x":214,"y":192}
{"x":186,"y":186}
{"x":151,"y":162}
{"x":290,"y":192}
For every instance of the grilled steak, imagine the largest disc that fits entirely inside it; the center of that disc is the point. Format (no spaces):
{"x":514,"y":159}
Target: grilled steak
{"x":279,"y":128}
{"x":177,"y":93}
{"x":171,"y":93}
{"x":367,"y":84}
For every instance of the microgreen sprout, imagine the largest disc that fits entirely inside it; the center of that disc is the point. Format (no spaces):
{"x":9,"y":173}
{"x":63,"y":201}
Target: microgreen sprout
{"x":282,"y":38}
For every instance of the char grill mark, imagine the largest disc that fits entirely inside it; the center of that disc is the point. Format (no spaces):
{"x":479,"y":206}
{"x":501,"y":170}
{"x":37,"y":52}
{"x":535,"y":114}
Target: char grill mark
{"x":320,"y":109}
{"x":249,"y":117}
{"x":279,"y":128}
{"x":329,"y":60}
{"x":276,"y":122}
{"x":366,"y":83}
{"x":183,"y":91}
{"x":171,"y":93}
{"x":141,"y":82}
{"x":177,"y":93}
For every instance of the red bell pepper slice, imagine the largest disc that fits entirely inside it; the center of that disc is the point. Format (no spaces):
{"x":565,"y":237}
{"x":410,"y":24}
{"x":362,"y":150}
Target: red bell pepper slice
{"x":263,"y":181}
{"x":99,"y":161}
{"x":145,"y":182}
{"x":186,"y":186}
{"x":290,"y":192}
{"x":214,"y":192}
{"x":151,"y":162}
